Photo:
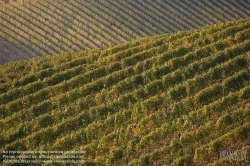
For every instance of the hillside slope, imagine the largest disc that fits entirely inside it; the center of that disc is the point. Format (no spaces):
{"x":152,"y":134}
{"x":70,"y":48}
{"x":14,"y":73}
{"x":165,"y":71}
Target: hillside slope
{"x":31,"y":28}
{"x":170,"y":99}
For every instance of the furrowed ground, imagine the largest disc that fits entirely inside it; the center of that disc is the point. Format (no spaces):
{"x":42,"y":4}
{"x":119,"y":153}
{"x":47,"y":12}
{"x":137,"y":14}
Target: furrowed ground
{"x":31,"y":28}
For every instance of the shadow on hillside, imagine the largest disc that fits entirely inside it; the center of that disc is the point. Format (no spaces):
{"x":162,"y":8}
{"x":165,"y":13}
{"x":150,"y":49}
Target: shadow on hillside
{"x":11,"y":52}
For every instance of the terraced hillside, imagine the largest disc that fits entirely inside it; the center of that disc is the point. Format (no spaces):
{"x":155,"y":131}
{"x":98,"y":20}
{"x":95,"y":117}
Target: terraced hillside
{"x":30,"y":28}
{"x":176,"y":99}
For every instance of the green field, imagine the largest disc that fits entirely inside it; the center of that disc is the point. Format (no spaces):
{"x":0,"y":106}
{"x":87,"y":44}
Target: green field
{"x":31,"y":28}
{"x":177,"y":99}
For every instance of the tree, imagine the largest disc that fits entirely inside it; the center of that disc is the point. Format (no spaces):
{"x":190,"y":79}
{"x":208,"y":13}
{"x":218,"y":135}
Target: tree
{"x":175,"y":145}
{"x":116,"y":155}
{"x":201,"y":156}
{"x":184,"y":161}
{"x":131,"y":147}
{"x":138,"y":80}
{"x":215,"y":146}
{"x":45,"y":121}
{"x":238,"y":116}
{"x":245,"y":93}
{"x":187,"y":138}
{"x":224,"y":121}
{"x":145,"y":160}
{"x":243,"y":132}
{"x":178,"y":92}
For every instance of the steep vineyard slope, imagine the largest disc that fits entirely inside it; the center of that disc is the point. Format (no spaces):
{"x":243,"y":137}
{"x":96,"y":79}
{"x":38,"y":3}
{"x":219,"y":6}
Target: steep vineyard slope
{"x":31,"y":28}
{"x":177,"y":99}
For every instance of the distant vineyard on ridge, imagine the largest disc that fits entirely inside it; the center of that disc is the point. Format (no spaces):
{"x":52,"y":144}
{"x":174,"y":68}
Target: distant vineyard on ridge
{"x":31,"y":28}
